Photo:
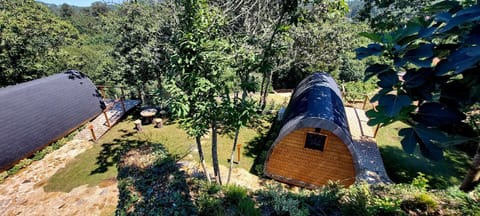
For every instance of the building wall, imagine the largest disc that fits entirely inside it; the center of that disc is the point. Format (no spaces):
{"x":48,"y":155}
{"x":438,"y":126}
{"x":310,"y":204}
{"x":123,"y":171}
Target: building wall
{"x":289,"y":159}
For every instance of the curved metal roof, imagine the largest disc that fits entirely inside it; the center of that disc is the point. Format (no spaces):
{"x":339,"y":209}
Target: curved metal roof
{"x":34,"y":114}
{"x":317,"y":103}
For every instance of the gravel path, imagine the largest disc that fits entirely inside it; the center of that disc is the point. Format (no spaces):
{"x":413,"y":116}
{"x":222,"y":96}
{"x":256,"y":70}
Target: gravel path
{"x":371,"y":163}
{"x":23,"y":193}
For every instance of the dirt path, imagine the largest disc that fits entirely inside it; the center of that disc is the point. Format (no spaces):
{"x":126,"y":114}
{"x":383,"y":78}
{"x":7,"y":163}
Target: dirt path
{"x":23,"y":193}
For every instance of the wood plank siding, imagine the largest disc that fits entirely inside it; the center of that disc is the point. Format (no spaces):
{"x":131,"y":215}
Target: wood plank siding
{"x":303,"y":165}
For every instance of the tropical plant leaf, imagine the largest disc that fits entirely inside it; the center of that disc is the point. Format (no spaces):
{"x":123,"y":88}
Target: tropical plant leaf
{"x":430,"y":150}
{"x":377,"y":117}
{"x":388,"y":80}
{"x":437,"y":114}
{"x":409,"y":141}
{"x":415,"y":78}
{"x":466,"y":15}
{"x":439,"y":138}
{"x":393,"y":104}
{"x":372,"y":36}
{"x":443,"y":17}
{"x":376,"y":69}
{"x":370,"y":50}
{"x":422,"y":51}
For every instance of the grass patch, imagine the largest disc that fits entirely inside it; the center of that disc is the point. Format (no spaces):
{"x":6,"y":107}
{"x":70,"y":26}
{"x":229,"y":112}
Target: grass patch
{"x":99,"y":163}
{"x":403,"y":167}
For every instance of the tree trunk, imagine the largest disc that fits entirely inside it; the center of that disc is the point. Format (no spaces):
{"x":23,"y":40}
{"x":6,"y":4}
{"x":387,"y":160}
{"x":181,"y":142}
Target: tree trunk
{"x":472,"y":179}
{"x":235,"y":139}
{"x":265,"y":93}
{"x":202,"y":158}
{"x":216,"y":168}
{"x":262,"y":86}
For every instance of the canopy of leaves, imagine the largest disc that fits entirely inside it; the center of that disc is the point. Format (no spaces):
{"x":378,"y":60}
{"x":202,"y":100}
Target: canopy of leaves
{"x":431,"y":78}
{"x":138,"y":47}
{"x":31,"y":37}
{"x":388,"y":14}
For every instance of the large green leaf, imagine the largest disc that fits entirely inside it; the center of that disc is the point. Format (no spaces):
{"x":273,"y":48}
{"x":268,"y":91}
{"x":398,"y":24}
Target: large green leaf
{"x":436,"y":114}
{"x":466,"y":15}
{"x":377,"y":69}
{"x":388,"y":80}
{"x":377,"y":117}
{"x":415,"y":78}
{"x":437,"y":137}
{"x":370,"y":50}
{"x":409,"y":141}
{"x":393,"y":104}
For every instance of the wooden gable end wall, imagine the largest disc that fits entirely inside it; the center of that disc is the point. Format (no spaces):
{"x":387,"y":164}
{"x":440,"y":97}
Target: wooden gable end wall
{"x":314,"y":167}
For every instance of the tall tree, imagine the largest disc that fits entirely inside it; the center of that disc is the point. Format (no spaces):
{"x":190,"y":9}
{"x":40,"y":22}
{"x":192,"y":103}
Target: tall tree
{"x":201,"y":73}
{"x":438,"y":60}
{"x":31,"y":37}
{"x":66,"y":11}
{"x":389,"y":14}
{"x":137,"y":46}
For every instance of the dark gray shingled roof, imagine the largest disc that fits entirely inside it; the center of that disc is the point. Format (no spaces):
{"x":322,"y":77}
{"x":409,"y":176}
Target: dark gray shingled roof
{"x":36,"y":113}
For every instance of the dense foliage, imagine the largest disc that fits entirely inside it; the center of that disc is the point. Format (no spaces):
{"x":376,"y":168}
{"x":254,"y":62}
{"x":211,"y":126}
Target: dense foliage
{"x":31,"y":37}
{"x":430,"y":80}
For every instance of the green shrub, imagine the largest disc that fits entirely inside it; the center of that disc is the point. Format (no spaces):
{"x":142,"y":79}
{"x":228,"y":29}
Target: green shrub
{"x":246,"y":206}
{"x":355,"y":200}
{"x":420,"y":182}
{"x":210,"y":205}
{"x":356,"y":91}
{"x":234,"y":194}
{"x":282,"y":202}
{"x":287,"y":205}
{"x":326,"y":200}
{"x":385,"y":206}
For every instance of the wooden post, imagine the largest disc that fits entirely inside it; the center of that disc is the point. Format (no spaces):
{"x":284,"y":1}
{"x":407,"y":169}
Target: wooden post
{"x":365,"y":102}
{"x":93,"y":132}
{"x":239,"y":147}
{"x":122,"y":100}
{"x":376,"y":131}
{"x":138,"y":125}
{"x":106,"y":118}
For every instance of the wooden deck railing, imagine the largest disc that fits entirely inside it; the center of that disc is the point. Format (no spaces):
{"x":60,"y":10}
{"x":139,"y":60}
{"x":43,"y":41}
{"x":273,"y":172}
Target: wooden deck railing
{"x":366,"y":101}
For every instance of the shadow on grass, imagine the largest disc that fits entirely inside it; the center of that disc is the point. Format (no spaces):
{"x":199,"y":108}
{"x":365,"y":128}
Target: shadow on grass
{"x":150,"y":183}
{"x":403,"y":168}
{"x":258,"y":147}
{"x":111,"y":152}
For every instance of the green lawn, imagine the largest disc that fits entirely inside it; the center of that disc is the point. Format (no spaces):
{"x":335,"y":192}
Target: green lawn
{"x":403,"y":167}
{"x":99,"y":163}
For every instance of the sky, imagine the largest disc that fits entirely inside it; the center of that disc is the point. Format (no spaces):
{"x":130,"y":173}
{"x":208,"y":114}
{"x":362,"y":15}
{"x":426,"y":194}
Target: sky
{"x":81,"y":3}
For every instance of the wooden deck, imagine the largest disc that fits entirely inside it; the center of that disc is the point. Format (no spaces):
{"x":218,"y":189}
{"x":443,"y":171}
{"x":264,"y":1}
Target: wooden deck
{"x":357,"y":122}
{"x":100,"y":125}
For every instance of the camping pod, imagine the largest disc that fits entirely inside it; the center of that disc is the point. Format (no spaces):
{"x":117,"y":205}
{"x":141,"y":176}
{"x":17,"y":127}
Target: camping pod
{"x":314,"y":145}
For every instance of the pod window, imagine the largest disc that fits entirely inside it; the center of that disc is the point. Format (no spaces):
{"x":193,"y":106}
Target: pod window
{"x":315,"y":141}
